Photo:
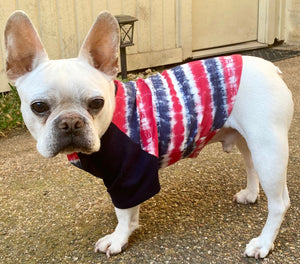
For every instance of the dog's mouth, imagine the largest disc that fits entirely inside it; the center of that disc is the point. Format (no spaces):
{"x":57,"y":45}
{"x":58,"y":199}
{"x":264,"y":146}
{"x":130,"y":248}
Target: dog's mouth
{"x":71,"y":144}
{"x":76,"y":148}
{"x":77,"y":145}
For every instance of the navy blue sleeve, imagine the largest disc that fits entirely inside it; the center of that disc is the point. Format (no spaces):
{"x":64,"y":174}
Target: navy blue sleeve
{"x":129,"y":173}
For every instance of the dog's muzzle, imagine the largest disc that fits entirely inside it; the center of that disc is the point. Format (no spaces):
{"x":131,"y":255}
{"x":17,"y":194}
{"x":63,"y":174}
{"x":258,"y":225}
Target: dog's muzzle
{"x":72,"y":133}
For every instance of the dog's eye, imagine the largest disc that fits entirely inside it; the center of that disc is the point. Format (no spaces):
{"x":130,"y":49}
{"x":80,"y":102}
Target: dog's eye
{"x":96,"y":104}
{"x":40,"y":107}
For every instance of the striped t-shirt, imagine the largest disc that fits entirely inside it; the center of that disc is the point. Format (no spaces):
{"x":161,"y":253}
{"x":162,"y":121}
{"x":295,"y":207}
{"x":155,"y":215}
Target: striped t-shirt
{"x":160,"y":120}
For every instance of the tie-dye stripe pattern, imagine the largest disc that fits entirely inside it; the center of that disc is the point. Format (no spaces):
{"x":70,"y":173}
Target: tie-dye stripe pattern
{"x":174,"y":114}
{"x":178,"y":111}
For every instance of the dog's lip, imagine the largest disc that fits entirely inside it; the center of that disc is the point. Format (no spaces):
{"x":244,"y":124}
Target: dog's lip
{"x":78,"y":150}
{"x":71,"y":147}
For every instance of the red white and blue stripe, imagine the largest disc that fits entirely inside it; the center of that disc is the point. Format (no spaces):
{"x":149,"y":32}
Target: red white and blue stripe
{"x":175,"y":113}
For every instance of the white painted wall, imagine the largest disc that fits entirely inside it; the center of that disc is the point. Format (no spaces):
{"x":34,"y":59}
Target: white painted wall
{"x":292,"y":32}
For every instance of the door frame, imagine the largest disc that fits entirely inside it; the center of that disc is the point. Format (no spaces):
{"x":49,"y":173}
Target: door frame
{"x":271,"y":20}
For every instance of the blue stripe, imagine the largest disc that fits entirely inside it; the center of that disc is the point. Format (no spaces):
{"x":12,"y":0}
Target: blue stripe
{"x":189,"y":104}
{"x":163,"y":112}
{"x":76,"y":163}
{"x":216,"y":79}
{"x":132,"y":117}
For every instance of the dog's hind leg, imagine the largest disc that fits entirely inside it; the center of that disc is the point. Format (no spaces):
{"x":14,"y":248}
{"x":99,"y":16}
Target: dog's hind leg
{"x":262,"y":114}
{"x":250,"y":193}
{"x":271,"y":165}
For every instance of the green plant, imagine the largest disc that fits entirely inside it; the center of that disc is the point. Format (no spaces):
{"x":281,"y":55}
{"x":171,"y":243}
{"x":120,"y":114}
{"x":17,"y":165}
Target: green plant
{"x":10,"y":114}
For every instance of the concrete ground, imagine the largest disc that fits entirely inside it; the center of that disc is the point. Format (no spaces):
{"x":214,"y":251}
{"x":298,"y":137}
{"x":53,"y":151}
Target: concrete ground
{"x":52,"y":212}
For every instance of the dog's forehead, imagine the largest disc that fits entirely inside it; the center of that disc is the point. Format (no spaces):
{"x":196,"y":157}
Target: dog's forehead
{"x":63,"y":78}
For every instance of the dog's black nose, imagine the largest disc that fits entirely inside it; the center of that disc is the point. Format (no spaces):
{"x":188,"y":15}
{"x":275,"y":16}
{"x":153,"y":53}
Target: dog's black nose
{"x":70,"y":123}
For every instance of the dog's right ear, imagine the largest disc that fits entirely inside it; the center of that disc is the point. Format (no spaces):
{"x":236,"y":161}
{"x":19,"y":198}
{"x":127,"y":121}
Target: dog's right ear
{"x":23,"y":46}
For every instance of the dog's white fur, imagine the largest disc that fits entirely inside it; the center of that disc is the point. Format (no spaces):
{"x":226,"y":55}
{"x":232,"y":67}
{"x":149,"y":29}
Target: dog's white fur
{"x":258,"y":124}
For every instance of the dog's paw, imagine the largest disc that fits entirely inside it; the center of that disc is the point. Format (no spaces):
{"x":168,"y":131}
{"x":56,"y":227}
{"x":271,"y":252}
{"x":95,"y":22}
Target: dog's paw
{"x":112,"y":244}
{"x":245,"y":197}
{"x":256,"y":249}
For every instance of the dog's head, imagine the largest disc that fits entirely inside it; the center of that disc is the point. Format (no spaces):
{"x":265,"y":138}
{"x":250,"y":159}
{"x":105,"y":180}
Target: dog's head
{"x":67,"y":104}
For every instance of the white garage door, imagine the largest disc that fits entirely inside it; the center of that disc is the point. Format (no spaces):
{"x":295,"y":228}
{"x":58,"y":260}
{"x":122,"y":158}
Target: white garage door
{"x":218,"y":23}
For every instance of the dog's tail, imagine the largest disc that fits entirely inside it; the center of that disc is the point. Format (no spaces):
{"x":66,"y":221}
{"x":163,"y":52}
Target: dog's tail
{"x":278,"y":70}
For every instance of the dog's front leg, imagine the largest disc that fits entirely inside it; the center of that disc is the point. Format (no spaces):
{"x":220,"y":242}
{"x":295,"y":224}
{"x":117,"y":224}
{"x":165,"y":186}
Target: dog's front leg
{"x":128,"y":221}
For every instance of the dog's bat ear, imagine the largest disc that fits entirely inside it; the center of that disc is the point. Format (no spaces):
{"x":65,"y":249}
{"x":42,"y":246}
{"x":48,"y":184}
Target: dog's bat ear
{"x":23,"y":46}
{"x":101,"y":45}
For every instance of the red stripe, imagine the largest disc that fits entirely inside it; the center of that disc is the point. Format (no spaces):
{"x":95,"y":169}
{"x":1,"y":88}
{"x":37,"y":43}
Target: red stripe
{"x":119,"y":117}
{"x":232,"y":68}
{"x":177,"y":131}
{"x":73,"y":157}
{"x":146,"y":110}
{"x":204,"y":93}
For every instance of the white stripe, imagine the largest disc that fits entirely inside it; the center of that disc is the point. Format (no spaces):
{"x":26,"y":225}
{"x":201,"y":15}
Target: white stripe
{"x":149,"y":82}
{"x":184,"y":111}
{"x":196,"y":97}
{"x":145,"y":124}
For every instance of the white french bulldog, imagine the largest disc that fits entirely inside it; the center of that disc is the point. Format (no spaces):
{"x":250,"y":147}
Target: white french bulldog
{"x":68,"y":106}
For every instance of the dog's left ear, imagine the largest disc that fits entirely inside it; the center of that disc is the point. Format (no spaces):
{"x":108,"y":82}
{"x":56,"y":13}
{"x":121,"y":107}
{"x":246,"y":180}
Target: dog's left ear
{"x":101,"y":45}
